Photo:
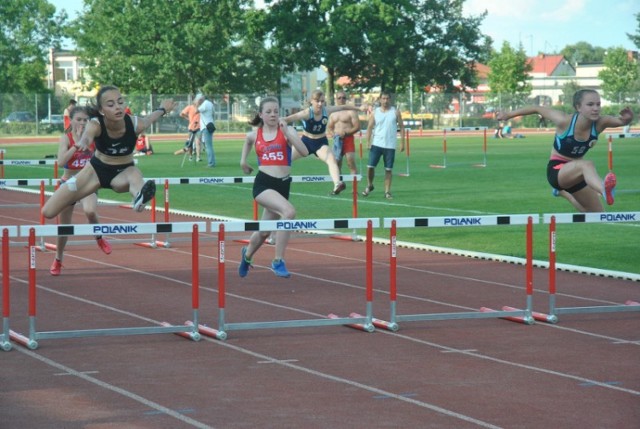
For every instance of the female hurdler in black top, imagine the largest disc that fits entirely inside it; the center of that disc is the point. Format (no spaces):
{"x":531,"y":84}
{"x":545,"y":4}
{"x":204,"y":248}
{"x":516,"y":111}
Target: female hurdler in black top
{"x":115,"y":134}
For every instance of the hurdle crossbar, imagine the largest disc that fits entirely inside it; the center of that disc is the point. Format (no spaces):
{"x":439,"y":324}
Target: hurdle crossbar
{"x":23,"y":182}
{"x":444,"y":145}
{"x":521,"y":315}
{"x":552,"y":220}
{"x":31,"y":340}
{"x":291,"y":225}
{"x":7,"y":231}
{"x":224,"y":180}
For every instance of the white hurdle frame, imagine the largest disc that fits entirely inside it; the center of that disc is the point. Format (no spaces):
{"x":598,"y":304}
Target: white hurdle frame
{"x":363,"y":323}
{"x":552,"y":220}
{"x":508,"y":313}
{"x":31,"y":341}
{"x":444,"y":145}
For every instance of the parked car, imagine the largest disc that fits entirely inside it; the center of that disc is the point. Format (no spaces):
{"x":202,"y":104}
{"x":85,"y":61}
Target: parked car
{"x":54,"y":120}
{"x":20,"y":117}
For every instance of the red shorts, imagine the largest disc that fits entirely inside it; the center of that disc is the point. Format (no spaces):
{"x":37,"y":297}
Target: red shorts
{"x":348,"y":144}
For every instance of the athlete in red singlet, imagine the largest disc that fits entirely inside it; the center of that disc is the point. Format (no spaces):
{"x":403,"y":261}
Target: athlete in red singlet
{"x":73,"y":160}
{"x":273,"y":141}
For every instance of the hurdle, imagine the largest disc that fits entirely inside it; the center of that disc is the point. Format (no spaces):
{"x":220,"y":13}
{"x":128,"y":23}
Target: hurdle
{"x":7,"y":231}
{"x":610,"y":138}
{"x":154,"y":244}
{"x":228,"y":180}
{"x":28,"y":162}
{"x":444,"y":145}
{"x":290,"y":225}
{"x":407,"y":152}
{"x":523,"y":316}
{"x":31,"y":340}
{"x":5,"y":183}
{"x":552,"y":220}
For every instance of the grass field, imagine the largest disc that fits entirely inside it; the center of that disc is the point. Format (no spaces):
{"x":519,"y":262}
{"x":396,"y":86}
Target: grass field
{"x":513,"y":182}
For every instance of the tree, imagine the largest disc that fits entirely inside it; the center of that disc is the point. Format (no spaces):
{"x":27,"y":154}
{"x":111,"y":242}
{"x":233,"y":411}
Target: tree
{"x":635,"y":38}
{"x":509,"y":74}
{"x":379,"y":43}
{"x":29,"y":29}
{"x":620,"y":76}
{"x":167,"y":47}
{"x":583,"y":52}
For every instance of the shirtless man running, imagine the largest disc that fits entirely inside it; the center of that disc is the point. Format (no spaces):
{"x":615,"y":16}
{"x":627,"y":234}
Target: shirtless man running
{"x":343,"y":125}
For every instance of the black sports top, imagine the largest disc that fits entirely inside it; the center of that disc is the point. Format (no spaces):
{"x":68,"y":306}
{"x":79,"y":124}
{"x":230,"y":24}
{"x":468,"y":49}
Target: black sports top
{"x":121,"y":146}
{"x":567,"y":145}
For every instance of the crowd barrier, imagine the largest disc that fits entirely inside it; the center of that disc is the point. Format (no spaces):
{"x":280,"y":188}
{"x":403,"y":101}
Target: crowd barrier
{"x":31,"y":339}
{"x":363,"y":322}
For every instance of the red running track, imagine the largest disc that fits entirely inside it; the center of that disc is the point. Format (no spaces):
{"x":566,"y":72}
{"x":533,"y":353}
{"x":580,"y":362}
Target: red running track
{"x":582,"y":372}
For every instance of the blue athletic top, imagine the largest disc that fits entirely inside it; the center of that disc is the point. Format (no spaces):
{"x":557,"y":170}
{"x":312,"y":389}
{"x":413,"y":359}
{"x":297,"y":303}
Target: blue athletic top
{"x":567,"y":145}
{"x":317,"y":129}
{"x":116,"y":147}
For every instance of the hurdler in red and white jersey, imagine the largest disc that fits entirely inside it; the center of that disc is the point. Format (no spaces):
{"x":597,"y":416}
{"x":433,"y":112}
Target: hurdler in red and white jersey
{"x":78,"y":159}
{"x":273,"y":152}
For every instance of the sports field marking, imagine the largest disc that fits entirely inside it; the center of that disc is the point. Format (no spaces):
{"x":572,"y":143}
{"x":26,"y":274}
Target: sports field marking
{"x":126,"y":393}
{"x":519,"y":365}
{"x":393,"y":395}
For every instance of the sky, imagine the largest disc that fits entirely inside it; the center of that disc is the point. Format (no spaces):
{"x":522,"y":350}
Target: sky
{"x":539,"y":25}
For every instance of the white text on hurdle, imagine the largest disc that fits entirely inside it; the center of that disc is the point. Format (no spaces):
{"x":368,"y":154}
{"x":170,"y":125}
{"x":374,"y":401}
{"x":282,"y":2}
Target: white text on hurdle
{"x":463,"y":221}
{"x":613,"y":217}
{"x":115,"y":229}
{"x":296,"y":225}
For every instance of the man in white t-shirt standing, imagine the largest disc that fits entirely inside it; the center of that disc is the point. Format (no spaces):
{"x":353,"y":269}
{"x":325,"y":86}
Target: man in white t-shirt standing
{"x":207,"y":127}
{"x":384,"y":123}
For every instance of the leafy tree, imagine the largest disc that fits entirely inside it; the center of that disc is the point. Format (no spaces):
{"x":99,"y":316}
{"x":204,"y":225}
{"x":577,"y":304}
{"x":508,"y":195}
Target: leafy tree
{"x":635,"y":38}
{"x":620,"y":76}
{"x":509,"y":74}
{"x":568,"y":89}
{"x":166,"y":47}
{"x":379,"y":43}
{"x":583,"y":52}
{"x":29,"y":29}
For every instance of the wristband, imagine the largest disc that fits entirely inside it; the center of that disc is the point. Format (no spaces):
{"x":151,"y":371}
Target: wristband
{"x":163,"y":110}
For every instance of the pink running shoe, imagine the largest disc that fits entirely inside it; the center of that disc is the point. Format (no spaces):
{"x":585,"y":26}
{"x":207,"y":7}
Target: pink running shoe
{"x":104,"y":245}
{"x":56,"y":267}
{"x":610,"y":187}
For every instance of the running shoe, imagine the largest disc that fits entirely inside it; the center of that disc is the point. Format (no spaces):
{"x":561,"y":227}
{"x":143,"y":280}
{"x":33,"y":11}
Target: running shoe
{"x":279,"y":268}
{"x":610,"y":187}
{"x":339,"y":188}
{"x":245,"y":263}
{"x":147,"y":192}
{"x":56,"y":267}
{"x":104,"y":245}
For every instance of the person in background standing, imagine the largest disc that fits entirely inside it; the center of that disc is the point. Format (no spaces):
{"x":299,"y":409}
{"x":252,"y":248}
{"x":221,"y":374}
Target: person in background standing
{"x":382,"y":139}
{"x":191,"y":114}
{"x":66,"y":115}
{"x":73,"y":161}
{"x":207,"y":127}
